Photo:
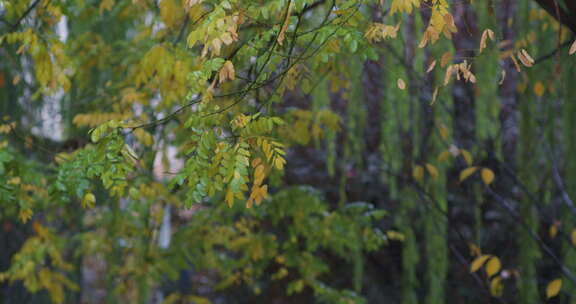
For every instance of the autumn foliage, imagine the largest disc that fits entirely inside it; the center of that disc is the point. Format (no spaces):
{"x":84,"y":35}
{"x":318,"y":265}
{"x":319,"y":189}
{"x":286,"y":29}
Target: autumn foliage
{"x":287,"y":151}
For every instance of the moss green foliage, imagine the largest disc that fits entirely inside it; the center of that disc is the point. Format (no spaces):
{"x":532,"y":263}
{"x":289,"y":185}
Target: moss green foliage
{"x":285,"y":243}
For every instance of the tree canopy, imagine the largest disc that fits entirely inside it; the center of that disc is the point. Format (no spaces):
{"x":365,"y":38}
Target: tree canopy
{"x":287,"y":151}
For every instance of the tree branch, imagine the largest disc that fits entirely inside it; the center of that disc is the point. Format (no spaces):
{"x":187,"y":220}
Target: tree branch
{"x":24,"y":15}
{"x":564,"y":17}
{"x":552,"y":53}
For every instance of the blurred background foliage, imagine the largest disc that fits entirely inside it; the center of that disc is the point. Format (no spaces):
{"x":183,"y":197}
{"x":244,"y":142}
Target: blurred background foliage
{"x":287,"y":151}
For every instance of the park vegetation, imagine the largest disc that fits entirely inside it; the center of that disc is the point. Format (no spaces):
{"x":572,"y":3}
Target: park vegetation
{"x":287,"y":151}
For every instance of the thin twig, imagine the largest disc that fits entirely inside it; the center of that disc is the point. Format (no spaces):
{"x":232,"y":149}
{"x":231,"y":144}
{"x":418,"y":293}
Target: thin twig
{"x":24,"y":15}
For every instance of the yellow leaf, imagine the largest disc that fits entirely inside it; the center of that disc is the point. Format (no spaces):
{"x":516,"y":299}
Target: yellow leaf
{"x":496,"y":287}
{"x":444,"y":132}
{"x":262,"y":194}
{"x":553,"y":231}
{"x":441,"y":22}
{"x":444,"y":156}
{"x":553,"y":288}
{"x":89,"y":200}
{"x":259,"y":175}
{"x":395,"y":235}
{"x":280,"y":259}
{"x":474,"y":250}
{"x":230,"y":198}
{"x":170,"y":12}
{"x":493,"y":266}
{"x":25,"y":215}
{"x":106,"y":5}
{"x":280,"y":274}
{"x":539,"y":89}
{"x":401,"y":84}
{"x":487,"y":176}
{"x":216,"y":47}
{"x":403,"y":6}
{"x":377,"y":32}
{"x":144,"y":137}
{"x":572,"y":48}
{"x":467,"y":172}
{"x":16,"y":79}
{"x":418,"y":173}
{"x":479,"y":262}
{"x":573,"y":237}
{"x":227,"y":72}
{"x":467,"y":157}
{"x":40,"y":230}
{"x":279,"y":163}
{"x":432,"y":170}
{"x":14,"y":181}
